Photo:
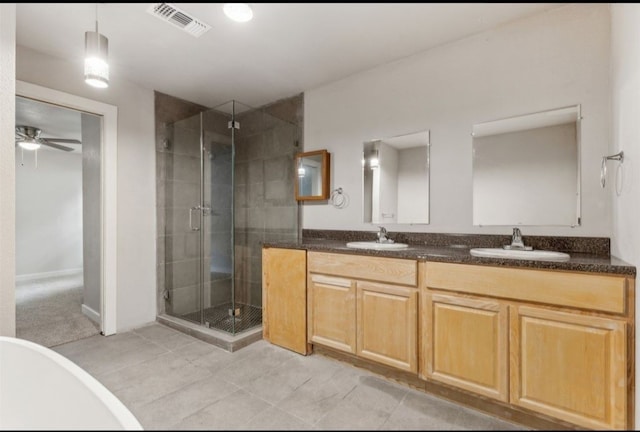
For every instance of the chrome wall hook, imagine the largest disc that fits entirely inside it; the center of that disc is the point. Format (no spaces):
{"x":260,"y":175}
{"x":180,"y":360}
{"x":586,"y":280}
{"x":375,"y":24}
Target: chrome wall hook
{"x":603,"y":168}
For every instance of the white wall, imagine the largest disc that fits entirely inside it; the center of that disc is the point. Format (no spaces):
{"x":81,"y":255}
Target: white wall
{"x":555,"y":59}
{"x":7,"y":169}
{"x":136,"y":226}
{"x":625,"y":93}
{"x":625,"y":86}
{"x":48,"y":212}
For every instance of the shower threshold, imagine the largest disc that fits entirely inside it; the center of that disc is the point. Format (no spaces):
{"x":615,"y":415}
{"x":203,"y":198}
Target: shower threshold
{"x":219,"y":338}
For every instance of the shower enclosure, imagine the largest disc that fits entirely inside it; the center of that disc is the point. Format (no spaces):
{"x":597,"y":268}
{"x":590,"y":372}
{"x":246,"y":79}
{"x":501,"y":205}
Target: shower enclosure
{"x":228,"y":186}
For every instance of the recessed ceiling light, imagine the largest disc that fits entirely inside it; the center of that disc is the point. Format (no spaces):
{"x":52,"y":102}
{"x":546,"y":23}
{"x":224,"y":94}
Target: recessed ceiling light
{"x":240,"y":12}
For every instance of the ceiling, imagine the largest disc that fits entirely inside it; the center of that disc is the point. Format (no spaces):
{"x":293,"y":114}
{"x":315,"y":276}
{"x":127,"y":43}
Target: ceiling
{"x":286,"y":49}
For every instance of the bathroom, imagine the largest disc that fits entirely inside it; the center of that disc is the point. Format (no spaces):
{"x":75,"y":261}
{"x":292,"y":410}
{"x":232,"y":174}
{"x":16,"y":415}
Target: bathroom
{"x":572,"y":54}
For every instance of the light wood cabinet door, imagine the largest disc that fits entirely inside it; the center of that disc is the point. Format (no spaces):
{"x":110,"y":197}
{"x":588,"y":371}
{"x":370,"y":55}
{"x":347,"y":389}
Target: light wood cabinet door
{"x":387,"y":323}
{"x":332,"y":312}
{"x":569,"y":366}
{"x":284,"y":298}
{"x":465,"y":343}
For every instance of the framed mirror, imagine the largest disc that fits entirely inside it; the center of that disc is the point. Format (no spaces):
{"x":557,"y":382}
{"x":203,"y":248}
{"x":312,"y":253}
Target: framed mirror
{"x":526,"y":169}
{"x":312,"y":170}
{"x":395,"y":179}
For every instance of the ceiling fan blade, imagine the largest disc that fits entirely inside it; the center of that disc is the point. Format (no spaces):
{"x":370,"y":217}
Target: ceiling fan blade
{"x":59,"y":147}
{"x":20,"y":134}
{"x":63,"y":140}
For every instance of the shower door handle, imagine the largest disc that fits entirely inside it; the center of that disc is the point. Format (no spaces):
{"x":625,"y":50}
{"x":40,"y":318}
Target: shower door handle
{"x":191,"y":218}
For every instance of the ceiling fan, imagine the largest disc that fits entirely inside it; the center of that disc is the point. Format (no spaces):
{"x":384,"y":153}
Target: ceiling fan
{"x":28,"y":137}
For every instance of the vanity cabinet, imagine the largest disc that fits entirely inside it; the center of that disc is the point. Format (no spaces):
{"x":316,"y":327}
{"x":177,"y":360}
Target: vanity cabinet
{"x":365,"y":305}
{"x":467,"y":343}
{"x":552,"y":342}
{"x":284,"y":298}
{"x":570,"y":366}
{"x":386,"y":319}
{"x":547,"y":344}
{"x":332,"y":312}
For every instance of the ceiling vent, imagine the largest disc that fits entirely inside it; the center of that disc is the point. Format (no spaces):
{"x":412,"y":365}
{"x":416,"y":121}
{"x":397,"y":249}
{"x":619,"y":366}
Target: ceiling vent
{"x":170,"y":13}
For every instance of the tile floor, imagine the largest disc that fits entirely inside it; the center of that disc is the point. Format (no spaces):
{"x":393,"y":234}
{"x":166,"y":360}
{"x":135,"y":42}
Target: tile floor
{"x":172,"y":381}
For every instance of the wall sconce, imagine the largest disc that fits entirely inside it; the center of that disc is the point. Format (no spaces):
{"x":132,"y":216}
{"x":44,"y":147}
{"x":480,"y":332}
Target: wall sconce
{"x":96,"y":68}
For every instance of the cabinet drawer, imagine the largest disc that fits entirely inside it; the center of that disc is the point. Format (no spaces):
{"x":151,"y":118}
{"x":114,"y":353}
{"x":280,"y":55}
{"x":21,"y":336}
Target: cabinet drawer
{"x":393,"y":270}
{"x":580,"y":290}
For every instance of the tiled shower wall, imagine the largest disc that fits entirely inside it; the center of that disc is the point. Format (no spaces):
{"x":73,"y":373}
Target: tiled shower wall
{"x":265,"y":208}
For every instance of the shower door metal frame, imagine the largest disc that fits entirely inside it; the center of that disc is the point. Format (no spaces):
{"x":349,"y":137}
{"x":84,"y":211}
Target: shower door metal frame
{"x":233,"y":125}
{"x":202,"y":220}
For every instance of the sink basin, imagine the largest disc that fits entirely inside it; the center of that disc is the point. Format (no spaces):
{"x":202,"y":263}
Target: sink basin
{"x":376,"y":245}
{"x":520,"y":254}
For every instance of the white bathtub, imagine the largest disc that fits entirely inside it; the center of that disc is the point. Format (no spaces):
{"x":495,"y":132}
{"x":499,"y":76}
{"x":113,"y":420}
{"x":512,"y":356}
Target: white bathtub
{"x":41,"y":389}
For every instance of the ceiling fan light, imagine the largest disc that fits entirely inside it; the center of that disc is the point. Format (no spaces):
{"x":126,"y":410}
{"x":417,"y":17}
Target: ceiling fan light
{"x":29,"y":144}
{"x":96,"y":68}
{"x":240,"y":12}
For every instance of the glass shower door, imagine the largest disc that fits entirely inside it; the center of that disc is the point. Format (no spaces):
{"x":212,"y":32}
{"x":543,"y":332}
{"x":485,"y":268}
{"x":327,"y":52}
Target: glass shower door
{"x":217,"y":199}
{"x":198,"y":198}
{"x":228,"y":187}
{"x":180,"y":167}
{"x":265,"y":206}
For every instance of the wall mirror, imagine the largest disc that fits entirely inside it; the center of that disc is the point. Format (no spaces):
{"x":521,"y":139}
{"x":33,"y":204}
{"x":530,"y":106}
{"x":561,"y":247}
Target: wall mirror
{"x":395,"y":179}
{"x":312,"y":170}
{"x":526,"y":169}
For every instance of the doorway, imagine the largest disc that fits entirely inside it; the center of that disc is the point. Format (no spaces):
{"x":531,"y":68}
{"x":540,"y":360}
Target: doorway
{"x":58,"y":238}
{"x":108,"y":188}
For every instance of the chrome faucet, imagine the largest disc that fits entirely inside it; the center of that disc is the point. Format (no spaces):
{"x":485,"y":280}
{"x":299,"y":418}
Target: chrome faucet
{"x":516,"y":241}
{"x":382,"y":236}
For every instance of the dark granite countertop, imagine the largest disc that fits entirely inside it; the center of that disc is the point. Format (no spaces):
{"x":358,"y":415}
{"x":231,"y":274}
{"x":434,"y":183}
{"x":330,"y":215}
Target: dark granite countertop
{"x":579,"y":261}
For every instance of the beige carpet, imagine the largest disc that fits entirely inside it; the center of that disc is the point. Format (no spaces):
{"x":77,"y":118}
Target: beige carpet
{"x":49,"y":311}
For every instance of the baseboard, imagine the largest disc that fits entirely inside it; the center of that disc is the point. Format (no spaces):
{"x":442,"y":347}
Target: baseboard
{"x":45,"y":275}
{"x":91,"y":314}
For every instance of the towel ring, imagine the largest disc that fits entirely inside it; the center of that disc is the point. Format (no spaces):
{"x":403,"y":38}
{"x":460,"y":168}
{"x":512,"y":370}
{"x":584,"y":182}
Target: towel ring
{"x":603,"y":167}
{"x":338,"y":199}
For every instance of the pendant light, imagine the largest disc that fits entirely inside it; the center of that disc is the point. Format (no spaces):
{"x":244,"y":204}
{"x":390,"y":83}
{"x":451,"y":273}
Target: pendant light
{"x":96,"y":68}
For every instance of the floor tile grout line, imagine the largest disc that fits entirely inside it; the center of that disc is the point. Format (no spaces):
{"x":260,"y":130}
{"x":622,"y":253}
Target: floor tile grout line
{"x":187,"y":385}
{"x":118,"y":369}
{"x":200,"y":410}
{"x":108,"y":371}
{"x":293,"y":415}
{"x":394,"y":410}
{"x":163,"y":395}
